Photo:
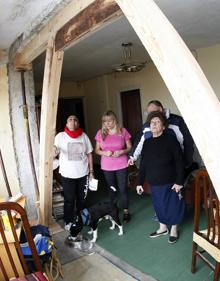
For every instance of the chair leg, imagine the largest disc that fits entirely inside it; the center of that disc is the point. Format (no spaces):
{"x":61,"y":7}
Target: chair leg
{"x":57,"y":263}
{"x":48,"y":272}
{"x":193,"y":265}
{"x":217,"y":272}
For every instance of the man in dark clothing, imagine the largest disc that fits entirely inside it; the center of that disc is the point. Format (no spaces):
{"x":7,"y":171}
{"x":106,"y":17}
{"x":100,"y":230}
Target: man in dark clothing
{"x":176,"y":126}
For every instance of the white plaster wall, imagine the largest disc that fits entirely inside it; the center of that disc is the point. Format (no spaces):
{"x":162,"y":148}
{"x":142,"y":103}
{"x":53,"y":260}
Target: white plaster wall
{"x":209,"y":60}
{"x":71,"y":89}
{"x":20,"y":142}
{"x":96,"y":102}
{"x":30,"y":100}
{"x":6,"y":141}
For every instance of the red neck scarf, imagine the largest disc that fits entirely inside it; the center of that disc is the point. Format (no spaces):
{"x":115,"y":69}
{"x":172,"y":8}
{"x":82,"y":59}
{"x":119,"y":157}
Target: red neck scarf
{"x":73,"y":134}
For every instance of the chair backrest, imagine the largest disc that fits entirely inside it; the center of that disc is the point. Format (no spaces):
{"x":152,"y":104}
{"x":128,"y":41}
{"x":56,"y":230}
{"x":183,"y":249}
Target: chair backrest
{"x":13,"y":220}
{"x":206,"y":201}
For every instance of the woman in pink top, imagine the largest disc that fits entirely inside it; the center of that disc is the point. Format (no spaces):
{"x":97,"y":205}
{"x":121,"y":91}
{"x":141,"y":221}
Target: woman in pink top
{"x":113,"y":144}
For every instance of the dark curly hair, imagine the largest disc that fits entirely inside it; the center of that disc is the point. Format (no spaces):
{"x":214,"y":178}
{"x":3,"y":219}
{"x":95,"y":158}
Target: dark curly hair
{"x":158,"y":114}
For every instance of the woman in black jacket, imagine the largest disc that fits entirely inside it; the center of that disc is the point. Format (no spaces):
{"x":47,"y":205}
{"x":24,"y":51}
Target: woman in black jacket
{"x":163,"y":166}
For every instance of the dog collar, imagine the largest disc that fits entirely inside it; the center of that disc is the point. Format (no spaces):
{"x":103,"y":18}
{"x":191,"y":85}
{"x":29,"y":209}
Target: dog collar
{"x":85,"y":216}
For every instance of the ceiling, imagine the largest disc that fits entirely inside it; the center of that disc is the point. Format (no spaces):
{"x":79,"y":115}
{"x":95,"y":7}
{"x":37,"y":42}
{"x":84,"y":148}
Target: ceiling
{"x":17,"y":16}
{"x":197,"y":21}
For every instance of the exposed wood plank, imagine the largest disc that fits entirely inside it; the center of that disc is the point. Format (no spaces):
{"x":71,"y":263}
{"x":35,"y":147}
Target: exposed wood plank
{"x":39,"y":43}
{"x":87,"y":20}
{"x":51,"y":83}
{"x":3,"y":56}
{"x":20,"y":66}
{"x":183,"y":76}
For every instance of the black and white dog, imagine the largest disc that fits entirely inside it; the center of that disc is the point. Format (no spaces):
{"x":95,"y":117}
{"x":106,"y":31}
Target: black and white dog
{"x":91,"y":216}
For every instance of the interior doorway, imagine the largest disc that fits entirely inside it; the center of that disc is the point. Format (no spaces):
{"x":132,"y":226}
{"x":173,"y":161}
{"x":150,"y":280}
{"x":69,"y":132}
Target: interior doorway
{"x":67,"y":107}
{"x":131,"y":111}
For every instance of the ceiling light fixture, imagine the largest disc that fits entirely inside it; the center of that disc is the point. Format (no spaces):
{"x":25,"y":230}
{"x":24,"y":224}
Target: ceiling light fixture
{"x":128,"y":64}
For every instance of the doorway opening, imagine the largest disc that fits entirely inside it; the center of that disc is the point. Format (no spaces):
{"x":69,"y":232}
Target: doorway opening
{"x":131,"y":111}
{"x":67,"y":107}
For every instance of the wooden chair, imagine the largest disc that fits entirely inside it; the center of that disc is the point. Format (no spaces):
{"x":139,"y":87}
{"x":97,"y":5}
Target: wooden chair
{"x":206,"y":235}
{"x":13,"y":219}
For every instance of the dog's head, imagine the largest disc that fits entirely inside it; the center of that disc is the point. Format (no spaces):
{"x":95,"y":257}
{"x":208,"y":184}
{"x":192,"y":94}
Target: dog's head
{"x":76,"y":226}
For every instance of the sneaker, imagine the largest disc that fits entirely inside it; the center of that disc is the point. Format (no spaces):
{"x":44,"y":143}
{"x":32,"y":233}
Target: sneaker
{"x":71,"y":238}
{"x":157,"y":234}
{"x":126,"y":217}
{"x":172,"y":239}
{"x":67,"y":226}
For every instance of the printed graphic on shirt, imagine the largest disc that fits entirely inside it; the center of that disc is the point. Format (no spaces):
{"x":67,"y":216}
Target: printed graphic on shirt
{"x":75,"y":151}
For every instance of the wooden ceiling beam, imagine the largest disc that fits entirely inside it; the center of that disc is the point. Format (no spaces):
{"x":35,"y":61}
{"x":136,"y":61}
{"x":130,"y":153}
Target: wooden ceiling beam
{"x":18,"y":66}
{"x":38,"y":44}
{"x":90,"y":19}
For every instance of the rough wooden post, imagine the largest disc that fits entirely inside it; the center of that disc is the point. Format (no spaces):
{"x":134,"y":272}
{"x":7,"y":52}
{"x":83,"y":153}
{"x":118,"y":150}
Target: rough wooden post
{"x":183,"y":76}
{"x":51,"y":83}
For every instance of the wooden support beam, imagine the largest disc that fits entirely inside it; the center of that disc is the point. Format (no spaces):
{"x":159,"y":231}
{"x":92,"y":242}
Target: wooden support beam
{"x":183,"y":76}
{"x":51,"y":83}
{"x":87,"y":20}
{"x":3,"y":56}
{"x":18,"y":66}
{"x":38,"y":44}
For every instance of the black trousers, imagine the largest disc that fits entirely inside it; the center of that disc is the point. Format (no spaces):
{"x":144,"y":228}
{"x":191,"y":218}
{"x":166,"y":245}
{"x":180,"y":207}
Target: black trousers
{"x":118,"y":179}
{"x":75,"y":192}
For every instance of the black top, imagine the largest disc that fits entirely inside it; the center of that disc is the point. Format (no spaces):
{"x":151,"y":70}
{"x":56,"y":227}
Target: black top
{"x":161,"y":161}
{"x":178,"y":126}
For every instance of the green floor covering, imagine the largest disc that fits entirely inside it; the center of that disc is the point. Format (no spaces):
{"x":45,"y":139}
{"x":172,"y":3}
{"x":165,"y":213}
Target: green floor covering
{"x":163,"y":261}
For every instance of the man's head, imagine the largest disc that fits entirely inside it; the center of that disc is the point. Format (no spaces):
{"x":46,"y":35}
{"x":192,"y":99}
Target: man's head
{"x":154,"y":105}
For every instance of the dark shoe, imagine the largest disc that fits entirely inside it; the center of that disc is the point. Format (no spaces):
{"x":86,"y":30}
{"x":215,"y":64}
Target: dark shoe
{"x":126,"y":217}
{"x":172,"y":239}
{"x":157,"y":234}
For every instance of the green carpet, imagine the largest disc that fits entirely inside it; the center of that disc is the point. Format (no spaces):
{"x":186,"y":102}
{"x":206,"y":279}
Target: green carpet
{"x":163,"y":261}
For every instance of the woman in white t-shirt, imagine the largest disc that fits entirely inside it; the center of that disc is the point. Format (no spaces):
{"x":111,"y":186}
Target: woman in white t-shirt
{"x":76,"y":166}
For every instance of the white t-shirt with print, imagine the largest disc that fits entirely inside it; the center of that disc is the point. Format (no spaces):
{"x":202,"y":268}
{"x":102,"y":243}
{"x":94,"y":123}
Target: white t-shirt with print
{"x":73,"y":157}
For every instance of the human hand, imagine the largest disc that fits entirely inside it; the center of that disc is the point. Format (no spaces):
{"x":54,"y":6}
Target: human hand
{"x":91,"y":175}
{"x":176,"y":187}
{"x":139,"y":189}
{"x":108,"y":153}
{"x":55,"y":151}
{"x":130,"y":162}
{"x":117,"y":153}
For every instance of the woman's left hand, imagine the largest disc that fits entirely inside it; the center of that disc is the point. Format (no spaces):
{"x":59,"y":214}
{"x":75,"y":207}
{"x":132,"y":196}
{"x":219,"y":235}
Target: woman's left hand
{"x":117,"y":153}
{"x":177,"y":187}
{"x":91,"y":175}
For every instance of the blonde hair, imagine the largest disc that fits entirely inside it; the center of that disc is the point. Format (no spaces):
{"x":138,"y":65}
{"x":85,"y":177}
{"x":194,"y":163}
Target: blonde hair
{"x":112,"y":115}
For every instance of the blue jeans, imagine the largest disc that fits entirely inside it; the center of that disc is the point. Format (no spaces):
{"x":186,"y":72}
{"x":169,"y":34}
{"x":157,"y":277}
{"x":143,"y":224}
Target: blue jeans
{"x":118,"y":179}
